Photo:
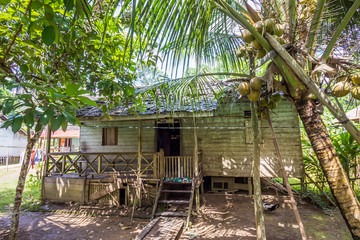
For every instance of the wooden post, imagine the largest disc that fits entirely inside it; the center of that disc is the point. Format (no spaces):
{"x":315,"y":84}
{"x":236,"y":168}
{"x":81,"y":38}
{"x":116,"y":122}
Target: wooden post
{"x":287,"y":184}
{"x":138,"y":190}
{"x":46,"y":165}
{"x":250,"y":186}
{"x":259,"y":216}
{"x":155,"y":166}
{"x":7,"y":161}
{"x":139,"y":148}
{"x":195,"y":156}
{"x":302,"y":184}
{"x":162,"y":163}
{"x":196,"y":168}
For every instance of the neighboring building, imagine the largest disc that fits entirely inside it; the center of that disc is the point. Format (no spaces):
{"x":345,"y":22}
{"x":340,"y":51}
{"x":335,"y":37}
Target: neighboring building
{"x":211,"y":144}
{"x":11,"y":144}
{"x":61,"y":141}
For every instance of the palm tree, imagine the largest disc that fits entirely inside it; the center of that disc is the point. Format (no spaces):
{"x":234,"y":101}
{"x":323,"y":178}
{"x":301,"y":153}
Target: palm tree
{"x":303,"y":66}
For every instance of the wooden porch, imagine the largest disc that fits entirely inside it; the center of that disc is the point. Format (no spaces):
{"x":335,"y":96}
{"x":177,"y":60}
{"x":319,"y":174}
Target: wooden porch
{"x":149,"y":165}
{"x":109,"y":177}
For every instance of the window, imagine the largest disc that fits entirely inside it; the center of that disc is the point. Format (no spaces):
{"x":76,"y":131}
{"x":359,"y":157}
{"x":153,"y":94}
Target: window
{"x":110,"y":136}
{"x":247,"y":114}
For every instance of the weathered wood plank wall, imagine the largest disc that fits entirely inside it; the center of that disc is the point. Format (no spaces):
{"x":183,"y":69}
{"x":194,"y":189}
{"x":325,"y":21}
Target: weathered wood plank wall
{"x":64,"y":189}
{"x":91,"y":137}
{"x":227,"y":152}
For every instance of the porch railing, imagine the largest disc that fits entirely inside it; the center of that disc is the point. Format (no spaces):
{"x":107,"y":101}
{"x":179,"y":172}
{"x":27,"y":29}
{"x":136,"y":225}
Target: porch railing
{"x":180,"y":166}
{"x":102,"y":164}
{"x":153,"y":164}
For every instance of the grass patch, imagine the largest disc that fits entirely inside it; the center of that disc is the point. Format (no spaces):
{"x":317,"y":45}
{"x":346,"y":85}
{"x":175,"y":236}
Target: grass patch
{"x":31,"y":195}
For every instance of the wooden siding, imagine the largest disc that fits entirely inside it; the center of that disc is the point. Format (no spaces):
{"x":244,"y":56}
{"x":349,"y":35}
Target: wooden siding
{"x":64,"y":189}
{"x":228,"y":152}
{"x":91,"y":137}
{"x":225,"y":152}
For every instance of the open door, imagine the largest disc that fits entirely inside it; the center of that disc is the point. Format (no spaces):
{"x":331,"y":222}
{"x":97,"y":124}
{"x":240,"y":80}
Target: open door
{"x":168,"y":138}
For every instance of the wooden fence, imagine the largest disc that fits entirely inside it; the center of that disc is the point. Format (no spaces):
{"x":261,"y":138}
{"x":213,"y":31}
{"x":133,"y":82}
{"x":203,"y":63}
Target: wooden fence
{"x":12,"y":160}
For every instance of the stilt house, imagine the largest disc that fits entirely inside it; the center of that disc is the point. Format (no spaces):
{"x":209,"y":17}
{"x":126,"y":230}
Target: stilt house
{"x":129,"y":156}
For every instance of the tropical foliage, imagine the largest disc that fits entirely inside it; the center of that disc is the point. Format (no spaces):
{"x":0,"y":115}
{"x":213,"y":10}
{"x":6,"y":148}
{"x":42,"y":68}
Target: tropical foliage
{"x":55,"y":55}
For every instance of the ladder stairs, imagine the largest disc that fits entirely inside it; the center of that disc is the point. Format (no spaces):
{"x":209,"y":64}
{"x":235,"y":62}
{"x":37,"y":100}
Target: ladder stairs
{"x":176,"y":198}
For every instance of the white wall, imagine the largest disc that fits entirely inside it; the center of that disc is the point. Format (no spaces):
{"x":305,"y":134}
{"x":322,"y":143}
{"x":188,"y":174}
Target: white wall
{"x":15,"y":144}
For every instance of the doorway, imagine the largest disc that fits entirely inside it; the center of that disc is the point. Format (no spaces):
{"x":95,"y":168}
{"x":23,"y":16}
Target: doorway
{"x":168,"y":138}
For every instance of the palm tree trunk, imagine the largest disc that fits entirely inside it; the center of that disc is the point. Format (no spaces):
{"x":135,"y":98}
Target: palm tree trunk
{"x":21,"y":184}
{"x":331,"y":165}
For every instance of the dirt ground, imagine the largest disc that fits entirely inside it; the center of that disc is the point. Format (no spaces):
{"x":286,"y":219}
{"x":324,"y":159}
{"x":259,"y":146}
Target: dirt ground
{"x":232,"y":217}
{"x":221,"y":217}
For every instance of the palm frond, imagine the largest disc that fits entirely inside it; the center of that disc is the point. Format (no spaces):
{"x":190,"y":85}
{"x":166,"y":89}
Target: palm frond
{"x":196,"y":92}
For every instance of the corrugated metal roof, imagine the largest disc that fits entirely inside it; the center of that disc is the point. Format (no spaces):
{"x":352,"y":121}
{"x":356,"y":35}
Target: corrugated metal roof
{"x":148,"y":108}
{"x":69,"y":133}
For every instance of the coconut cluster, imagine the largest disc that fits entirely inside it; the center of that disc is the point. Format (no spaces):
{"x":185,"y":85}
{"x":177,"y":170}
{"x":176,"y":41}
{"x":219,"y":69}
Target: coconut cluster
{"x":269,"y":102}
{"x":251,"y":90}
{"x":346,"y":84}
{"x":252,"y":45}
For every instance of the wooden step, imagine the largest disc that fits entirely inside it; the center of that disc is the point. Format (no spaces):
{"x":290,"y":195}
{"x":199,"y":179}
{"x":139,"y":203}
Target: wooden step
{"x":171,"y":214}
{"x":176,"y":191}
{"x":174,"y":183}
{"x":175,"y":201}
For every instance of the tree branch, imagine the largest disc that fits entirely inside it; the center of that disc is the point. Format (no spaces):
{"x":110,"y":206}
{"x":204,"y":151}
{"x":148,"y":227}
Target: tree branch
{"x":16,"y":34}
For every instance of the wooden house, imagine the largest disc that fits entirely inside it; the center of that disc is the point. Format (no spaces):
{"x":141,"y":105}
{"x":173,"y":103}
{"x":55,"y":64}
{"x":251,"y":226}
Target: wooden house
{"x":210,"y":144}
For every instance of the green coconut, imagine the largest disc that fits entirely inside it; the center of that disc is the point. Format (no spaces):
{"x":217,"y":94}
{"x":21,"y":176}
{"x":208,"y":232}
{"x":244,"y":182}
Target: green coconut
{"x":341,"y":89}
{"x":279,"y":30}
{"x":270,"y":25}
{"x":261,"y":53}
{"x":272,"y":105}
{"x":244,"y":88}
{"x":276,"y":97}
{"x":255,"y":83}
{"x":259,"y":26}
{"x":263,"y":102}
{"x":355,"y":79}
{"x":247,"y":36}
{"x":256,"y":44}
{"x":355,"y":92}
{"x":254,"y":95}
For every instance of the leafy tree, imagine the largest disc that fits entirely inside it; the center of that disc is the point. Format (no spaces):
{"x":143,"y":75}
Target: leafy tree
{"x":56,"y":54}
{"x":304,"y":69}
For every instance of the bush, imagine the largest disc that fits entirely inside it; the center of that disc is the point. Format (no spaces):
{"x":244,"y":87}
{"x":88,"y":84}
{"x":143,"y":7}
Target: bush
{"x":32,"y":194}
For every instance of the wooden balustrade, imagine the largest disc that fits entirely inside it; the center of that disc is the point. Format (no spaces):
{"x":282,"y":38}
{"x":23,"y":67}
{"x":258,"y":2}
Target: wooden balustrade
{"x":153,"y":165}
{"x":180,"y":166}
{"x":102,"y":164}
